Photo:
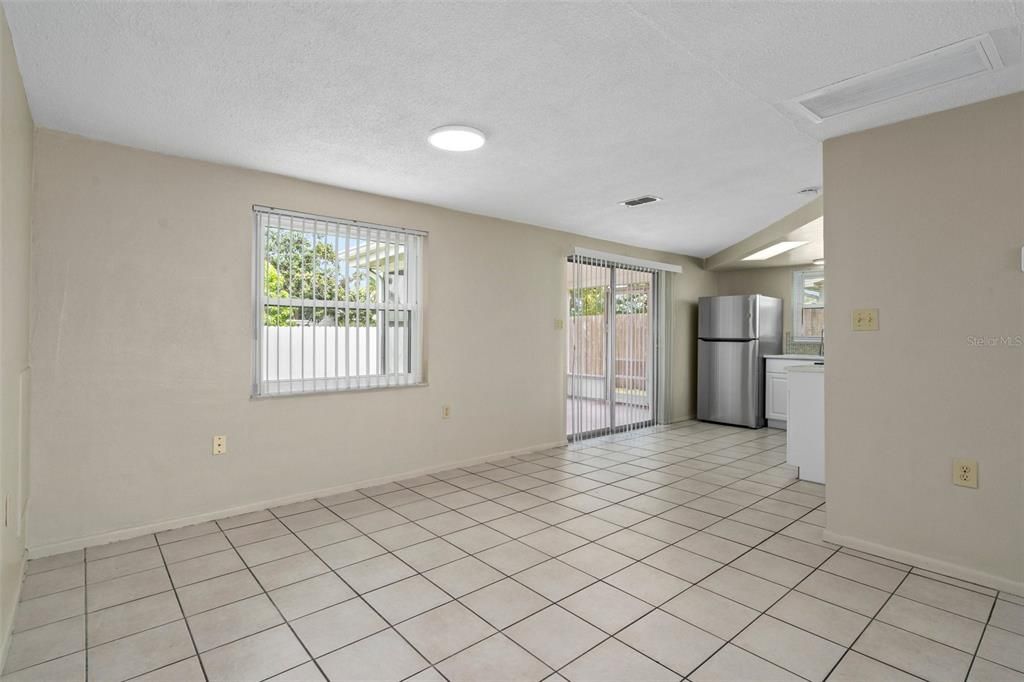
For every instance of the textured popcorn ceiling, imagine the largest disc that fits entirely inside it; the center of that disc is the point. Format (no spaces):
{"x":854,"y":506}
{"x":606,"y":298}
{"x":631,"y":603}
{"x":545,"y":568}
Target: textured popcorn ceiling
{"x":585,"y":104}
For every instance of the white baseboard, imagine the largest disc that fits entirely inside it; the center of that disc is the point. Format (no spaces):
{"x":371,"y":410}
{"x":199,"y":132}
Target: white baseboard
{"x":49,"y":549}
{"x":8,"y":627}
{"x":927,"y":563}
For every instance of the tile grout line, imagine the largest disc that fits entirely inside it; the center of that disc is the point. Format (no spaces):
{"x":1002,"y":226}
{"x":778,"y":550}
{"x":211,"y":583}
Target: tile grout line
{"x":270,"y":599}
{"x":188,"y":626}
{"x":865,"y":629}
{"x":85,"y":619}
{"x":984,"y":631}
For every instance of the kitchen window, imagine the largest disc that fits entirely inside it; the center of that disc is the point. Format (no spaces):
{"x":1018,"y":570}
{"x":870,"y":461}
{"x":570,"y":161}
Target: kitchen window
{"x":338,"y":304}
{"x":808,"y":305}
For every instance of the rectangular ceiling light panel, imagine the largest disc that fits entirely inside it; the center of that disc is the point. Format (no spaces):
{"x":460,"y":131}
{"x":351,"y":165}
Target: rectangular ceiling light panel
{"x":774,"y":250}
{"x":930,"y":70}
{"x":640,"y":201}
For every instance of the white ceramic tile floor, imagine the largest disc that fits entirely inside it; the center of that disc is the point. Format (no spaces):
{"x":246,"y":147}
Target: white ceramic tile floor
{"x":683,"y":552}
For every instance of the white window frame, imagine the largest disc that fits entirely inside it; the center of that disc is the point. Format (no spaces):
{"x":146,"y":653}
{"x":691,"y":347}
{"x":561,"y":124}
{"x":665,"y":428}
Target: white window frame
{"x":407,"y":308}
{"x":799,"y":307}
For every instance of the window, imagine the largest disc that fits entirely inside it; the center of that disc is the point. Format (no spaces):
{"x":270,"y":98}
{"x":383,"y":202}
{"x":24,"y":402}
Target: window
{"x":808,"y":305}
{"x":338,"y":304}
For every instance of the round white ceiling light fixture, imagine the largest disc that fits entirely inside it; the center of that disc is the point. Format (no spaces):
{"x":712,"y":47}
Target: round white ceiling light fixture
{"x":456,"y":138}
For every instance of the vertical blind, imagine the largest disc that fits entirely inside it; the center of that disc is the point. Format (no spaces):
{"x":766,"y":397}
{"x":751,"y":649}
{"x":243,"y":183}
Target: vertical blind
{"x":338,"y":304}
{"x":612,"y":373}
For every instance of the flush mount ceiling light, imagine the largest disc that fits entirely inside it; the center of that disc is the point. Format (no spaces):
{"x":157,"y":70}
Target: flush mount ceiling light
{"x":774,"y":250}
{"x":456,"y":138}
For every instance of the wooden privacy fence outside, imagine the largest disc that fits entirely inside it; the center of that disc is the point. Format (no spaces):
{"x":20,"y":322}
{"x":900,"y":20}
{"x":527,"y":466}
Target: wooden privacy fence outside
{"x":632,"y":348}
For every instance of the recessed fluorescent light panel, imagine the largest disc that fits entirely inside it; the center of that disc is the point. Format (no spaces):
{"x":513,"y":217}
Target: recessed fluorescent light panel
{"x":639,"y":201}
{"x":930,"y":70}
{"x":456,"y":138}
{"x":774,"y":250}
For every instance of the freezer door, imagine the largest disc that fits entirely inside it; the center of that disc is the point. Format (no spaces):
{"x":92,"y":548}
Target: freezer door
{"x":729,"y":377}
{"x":727,"y":317}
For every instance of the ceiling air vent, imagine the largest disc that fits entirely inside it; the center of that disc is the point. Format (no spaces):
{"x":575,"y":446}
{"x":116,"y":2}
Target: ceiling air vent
{"x":930,"y":70}
{"x":639,"y":201}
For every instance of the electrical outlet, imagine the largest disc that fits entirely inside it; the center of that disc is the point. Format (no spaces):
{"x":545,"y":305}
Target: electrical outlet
{"x":865,"y":320}
{"x":559,"y":325}
{"x":965,"y":473}
{"x":220,"y":445}
{"x":446,"y":411}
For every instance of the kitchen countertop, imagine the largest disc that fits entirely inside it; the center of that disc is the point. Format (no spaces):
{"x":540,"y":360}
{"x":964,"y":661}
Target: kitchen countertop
{"x":795,"y":356}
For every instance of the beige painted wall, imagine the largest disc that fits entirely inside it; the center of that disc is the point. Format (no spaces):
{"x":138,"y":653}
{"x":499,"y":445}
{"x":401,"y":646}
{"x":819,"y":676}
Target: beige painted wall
{"x":15,"y":199}
{"x":925,"y":222}
{"x":776,"y":282}
{"x":140,"y":256}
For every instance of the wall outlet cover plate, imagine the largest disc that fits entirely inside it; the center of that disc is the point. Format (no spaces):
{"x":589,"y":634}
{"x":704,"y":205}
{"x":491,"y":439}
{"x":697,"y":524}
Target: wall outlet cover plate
{"x":965,"y":473}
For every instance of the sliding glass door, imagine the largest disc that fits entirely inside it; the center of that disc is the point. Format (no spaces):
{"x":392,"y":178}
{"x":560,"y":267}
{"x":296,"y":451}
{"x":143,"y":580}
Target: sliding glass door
{"x":611,"y":350}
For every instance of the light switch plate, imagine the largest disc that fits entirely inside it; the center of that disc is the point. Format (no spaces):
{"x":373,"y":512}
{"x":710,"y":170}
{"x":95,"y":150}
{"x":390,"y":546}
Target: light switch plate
{"x":865,"y":320}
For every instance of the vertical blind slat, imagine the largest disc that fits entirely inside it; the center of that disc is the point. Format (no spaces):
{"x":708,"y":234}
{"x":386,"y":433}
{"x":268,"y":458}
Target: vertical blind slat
{"x":348,"y":279}
{"x":337,"y":278}
{"x":359,"y":304}
{"x":391,"y":318}
{"x":405,"y":301}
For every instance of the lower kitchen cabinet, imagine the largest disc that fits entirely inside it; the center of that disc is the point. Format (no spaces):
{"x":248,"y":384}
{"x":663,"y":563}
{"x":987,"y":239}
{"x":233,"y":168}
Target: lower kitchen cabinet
{"x":776,"y":394}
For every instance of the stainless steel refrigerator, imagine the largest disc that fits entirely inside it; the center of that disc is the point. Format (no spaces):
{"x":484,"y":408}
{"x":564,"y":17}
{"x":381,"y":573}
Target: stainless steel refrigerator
{"x":734,"y":333}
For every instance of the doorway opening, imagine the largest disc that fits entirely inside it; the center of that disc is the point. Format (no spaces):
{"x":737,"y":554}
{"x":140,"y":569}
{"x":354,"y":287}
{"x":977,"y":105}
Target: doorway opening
{"x":612,"y":327}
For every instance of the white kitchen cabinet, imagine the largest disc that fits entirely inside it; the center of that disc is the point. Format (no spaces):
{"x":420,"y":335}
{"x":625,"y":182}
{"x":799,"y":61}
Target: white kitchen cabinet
{"x":775,"y":397}
{"x":776,"y":392}
{"x":805,"y":440}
